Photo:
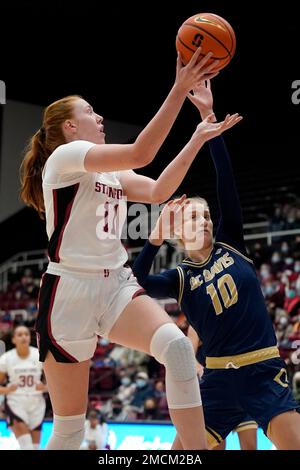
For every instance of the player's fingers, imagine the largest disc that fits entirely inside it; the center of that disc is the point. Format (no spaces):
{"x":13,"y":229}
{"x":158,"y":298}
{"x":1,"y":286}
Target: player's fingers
{"x":202,"y":63}
{"x":209,"y":68}
{"x":195,"y":56}
{"x":233,"y":122}
{"x":209,"y":76}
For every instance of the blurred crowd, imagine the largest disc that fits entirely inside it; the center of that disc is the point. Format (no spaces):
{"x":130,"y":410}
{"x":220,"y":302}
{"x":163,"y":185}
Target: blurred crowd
{"x":285,"y":217}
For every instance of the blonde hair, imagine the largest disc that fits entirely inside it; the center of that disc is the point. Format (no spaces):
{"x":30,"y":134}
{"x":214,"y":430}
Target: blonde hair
{"x":179,"y":245}
{"x":40,"y":147}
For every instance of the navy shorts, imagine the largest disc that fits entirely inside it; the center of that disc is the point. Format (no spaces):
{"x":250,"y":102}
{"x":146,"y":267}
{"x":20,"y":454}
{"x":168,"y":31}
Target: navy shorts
{"x":229,"y":396}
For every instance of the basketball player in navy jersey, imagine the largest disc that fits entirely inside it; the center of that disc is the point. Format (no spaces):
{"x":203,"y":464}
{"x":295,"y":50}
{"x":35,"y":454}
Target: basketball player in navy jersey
{"x":79,"y":183}
{"x":221,"y":297}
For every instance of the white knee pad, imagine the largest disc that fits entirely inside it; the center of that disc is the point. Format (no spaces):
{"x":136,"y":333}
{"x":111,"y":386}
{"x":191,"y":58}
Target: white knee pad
{"x":172,"y":348}
{"x":68,"y":432}
{"x":25,"y":442}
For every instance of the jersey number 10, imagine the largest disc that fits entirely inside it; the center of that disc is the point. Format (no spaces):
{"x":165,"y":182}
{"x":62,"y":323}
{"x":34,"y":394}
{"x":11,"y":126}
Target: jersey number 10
{"x":228,"y":291}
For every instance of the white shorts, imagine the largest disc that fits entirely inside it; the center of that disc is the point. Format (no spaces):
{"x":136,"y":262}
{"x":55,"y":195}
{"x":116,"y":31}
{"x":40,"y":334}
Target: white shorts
{"x":75,"y":307}
{"x":27,"y":408}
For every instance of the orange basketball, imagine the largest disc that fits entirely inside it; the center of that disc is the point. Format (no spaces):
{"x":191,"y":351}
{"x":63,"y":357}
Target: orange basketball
{"x":211,"y":32}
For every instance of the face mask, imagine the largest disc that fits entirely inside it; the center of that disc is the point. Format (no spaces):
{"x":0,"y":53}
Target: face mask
{"x":264,"y":273}
{"x":269,"y":290}
{"x":289,"y":261}
{"x":297,"y":268}
{"x":291,"y":293}
{"x":150,"y":411}
{"x":275,"y":258}
{"x":125,"y":381}
{"x":103,"y":341}
{"x":116,"y":410}
{"x":282,"y":321}
{"x":140,"y":383}
{"x":284,"y":249}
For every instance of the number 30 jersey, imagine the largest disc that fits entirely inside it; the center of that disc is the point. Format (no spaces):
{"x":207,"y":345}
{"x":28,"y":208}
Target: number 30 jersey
{"x":85,"y":212}
{"x":223,"y":301}
{"x":24,"y":372}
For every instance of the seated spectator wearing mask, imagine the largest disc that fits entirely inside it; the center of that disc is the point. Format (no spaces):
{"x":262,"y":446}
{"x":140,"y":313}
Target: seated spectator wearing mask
{"x":144,"y":390}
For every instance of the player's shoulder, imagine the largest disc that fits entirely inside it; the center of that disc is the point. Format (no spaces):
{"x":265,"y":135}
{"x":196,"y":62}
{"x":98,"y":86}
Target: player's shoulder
{"x":34,"y":353}
{"x":221,"y":248}
{"x":73,"y":146}
{"x":77,"y":149}
{"x":10,"y":354}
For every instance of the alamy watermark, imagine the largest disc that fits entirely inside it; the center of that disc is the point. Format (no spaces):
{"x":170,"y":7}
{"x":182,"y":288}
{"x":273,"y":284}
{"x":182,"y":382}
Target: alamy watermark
{"x":296,"y":94}
{"x":2,"y":92}
{"x":295,"y":356}
{"x":187,"y":222}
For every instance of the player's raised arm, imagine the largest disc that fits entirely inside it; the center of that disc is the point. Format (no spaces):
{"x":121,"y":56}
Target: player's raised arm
{"x":230,"y":228}
{"x":147,"y":144}
{"x":143,"y":189}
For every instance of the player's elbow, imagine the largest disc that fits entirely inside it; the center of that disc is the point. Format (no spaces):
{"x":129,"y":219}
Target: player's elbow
{"x":142,"y":156}
{"x":139,"y":161}
{"x":158,"y":198}
{"x":159,"y":195}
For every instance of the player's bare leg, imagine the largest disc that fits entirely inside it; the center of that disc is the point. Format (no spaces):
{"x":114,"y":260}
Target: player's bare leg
{"x":284,"y":431}
{"x":136,"y":328}
{"x":68,"y":389}
{"x":22,"y":434}
{"x":248,"y":439}
{"x":221,"y":446}
{"x":36,"y":438}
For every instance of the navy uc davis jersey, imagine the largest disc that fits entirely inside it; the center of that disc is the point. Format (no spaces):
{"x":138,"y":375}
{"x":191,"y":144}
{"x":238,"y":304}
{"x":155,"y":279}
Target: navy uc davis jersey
{"x":223,"y":302}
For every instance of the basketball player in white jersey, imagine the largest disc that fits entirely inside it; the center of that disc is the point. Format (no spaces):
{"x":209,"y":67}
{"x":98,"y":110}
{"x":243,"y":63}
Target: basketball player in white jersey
{"x":24,"y":401}
{"x":80,"y":184}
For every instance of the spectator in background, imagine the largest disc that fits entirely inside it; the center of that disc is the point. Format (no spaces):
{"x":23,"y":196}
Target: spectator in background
{"x":144,"y":390}
{"x":114,"y":411}
{"x":31,"y":309}
{"x":276,"y":262}
{"x":101,"y":356}
{"x":151,"y":410}
{"x":277,"y":221}
{"x":280,"y":330}
{"x":297,"y":267}
{"x":124,"y":356}
{"x":160,"y":395}
{"x":159,"y":389}
{"x":284,"y":248}
{"x":95,"y":432}
{"x":126,"y":390}
{"x":257,"y":255}
{"x":265,"y":273}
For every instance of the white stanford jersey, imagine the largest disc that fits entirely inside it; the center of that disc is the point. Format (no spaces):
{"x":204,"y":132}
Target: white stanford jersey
{"x":26,"y":373}
{"x":85,"y":211}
